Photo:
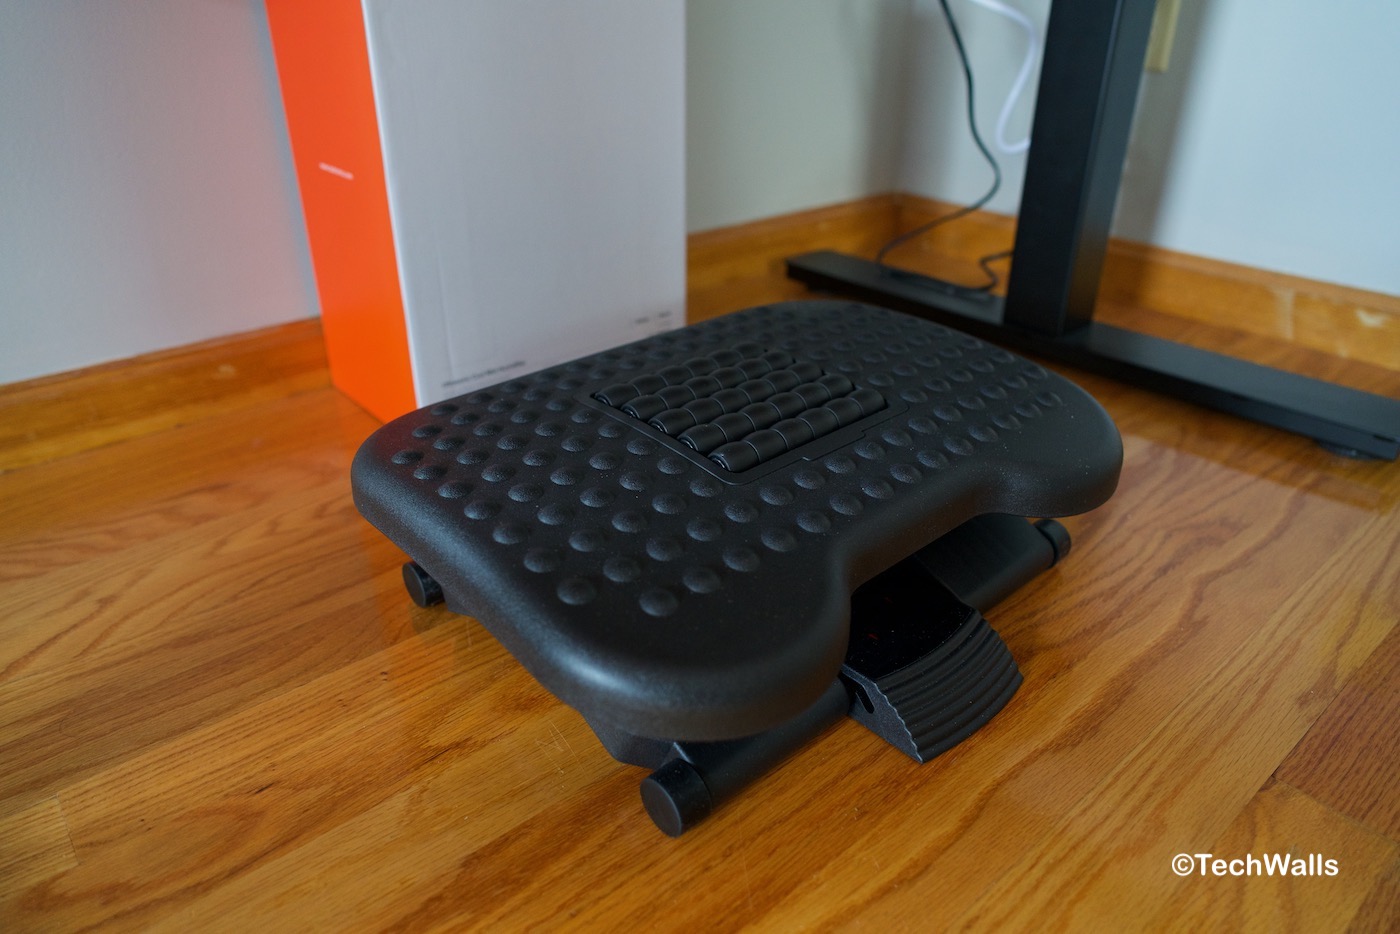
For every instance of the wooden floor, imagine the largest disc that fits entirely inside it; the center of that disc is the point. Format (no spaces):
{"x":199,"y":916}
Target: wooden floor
{"x":218,"y":710}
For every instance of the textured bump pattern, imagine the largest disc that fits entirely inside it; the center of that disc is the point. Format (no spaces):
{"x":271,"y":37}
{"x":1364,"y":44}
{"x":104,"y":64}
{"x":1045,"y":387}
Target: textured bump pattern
{"x":644,"y":580}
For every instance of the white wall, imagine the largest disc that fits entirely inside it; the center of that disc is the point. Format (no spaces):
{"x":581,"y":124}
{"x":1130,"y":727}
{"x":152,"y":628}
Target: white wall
{"x":1271,"y":141}
{"x":790,"y":104}
{"x":1287,"y":139}
{"x":147,"y":200}
{"x":146,"y":195}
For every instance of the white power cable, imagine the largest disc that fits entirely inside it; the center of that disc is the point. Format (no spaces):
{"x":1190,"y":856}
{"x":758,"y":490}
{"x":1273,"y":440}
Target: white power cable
{"x":1022,"y":76}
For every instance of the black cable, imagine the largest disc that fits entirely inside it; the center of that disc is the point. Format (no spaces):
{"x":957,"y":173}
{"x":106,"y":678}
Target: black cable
{"x":981,"y":146}
{"x":986,"y":263}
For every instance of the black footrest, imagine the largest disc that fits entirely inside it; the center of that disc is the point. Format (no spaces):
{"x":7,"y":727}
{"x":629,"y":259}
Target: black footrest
{"x":925,"y":670}
{"x":688,"y":574}
{"x":668,"y":534}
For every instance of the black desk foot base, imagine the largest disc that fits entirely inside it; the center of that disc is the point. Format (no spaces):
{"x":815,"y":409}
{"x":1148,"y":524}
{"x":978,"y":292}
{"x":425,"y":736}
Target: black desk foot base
{"x":1341,"y":419}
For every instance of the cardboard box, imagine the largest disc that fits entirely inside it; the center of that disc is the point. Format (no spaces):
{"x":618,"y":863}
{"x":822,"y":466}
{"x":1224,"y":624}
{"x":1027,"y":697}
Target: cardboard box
{"x":490,"y":187}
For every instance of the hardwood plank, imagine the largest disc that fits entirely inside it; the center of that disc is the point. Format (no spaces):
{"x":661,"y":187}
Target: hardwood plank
{"x":1150,"y":701}
{"x":737,"y":267}
{"x":1282,"y":820}
{"x":474,"y":861}
{"x":102,"y":696}
{"x":72,"y":720}
{"x":199,"y":812}
{"x":54,"y":416}
{"x":1246,"y":447}
{"x":1382,"y":377}
{"x":1353,"y":330}
{"x":1350,"y":759}
{"x":1346,"y":322}
{"x":287,"y":556}
{"x":166,"y":484}
{"x":36,"y":846}
{"x":1381,"y":909}
{"x":448,"y":885}
{"x":221,"y":697}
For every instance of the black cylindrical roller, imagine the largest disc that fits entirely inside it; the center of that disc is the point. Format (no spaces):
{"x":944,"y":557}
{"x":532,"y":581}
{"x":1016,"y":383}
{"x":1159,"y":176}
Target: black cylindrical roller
{"x":788,"y":403}
{"x":757,"y":389}
{"x":762,"y":414}
{"x":794,"y":431}
{"x":729,"y":376}
{"x":869,"y":400}
{"x":703,"y":386}
{"x":673,"y":421}
{"x":732,"y":399}
{"x":676,"y":798}
{"x":647,"y":384}
{"x":646,"y":407}
{"x":677,"y":396}
{"x":814,"y":394}
{"x":847,"y":410}
{"x":777,"y":359}
{"x":784,"y":380}
{"x":704,"y":410}
{"x":1058,"y":537}
{"x":675,"y":375}
{"x":836,"y":384}
{"x":703,"y":438}
{"x":753,"y":367}
{"x":735,"y":456}
{"x":769,"y":443}
{"x":734,"y":425}
{"x":616,"y":394}
{"x":686,"y":789}
{"x":421,"y":587}
{"x":822,"y":420}
{"x":699,"y":365}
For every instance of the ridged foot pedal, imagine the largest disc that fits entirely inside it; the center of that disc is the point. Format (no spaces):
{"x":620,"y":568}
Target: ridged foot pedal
{"x":668,"y":534}
{"x":925,"y":670}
